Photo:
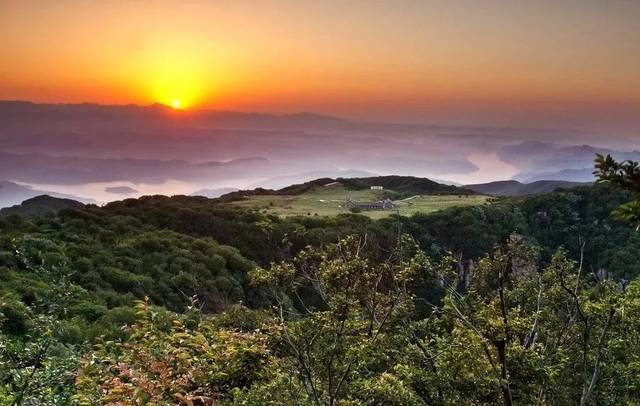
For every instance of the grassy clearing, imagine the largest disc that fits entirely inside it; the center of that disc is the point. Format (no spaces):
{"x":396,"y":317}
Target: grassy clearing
{"x":330,"y":200}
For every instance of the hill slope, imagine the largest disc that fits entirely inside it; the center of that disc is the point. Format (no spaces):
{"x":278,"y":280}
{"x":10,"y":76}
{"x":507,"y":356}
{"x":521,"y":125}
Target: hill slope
{"x":328,"y":196}
{"x":406,"y":185}
{"x":400,"y":186}
{"x":41,"y":205}
{"x":515,"y":188}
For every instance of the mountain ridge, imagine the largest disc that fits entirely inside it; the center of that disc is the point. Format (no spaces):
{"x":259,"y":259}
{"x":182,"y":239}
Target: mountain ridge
{"x":516,"y":188}
{"x":404,"y":185}
{"x":12,"y":193}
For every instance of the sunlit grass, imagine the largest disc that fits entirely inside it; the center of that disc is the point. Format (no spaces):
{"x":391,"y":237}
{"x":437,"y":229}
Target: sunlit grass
{"x":330,"y":201}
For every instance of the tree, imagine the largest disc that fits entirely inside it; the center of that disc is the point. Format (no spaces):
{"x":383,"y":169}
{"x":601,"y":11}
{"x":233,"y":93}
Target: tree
{"x":518,"y":333}
{"x":36,"y":367}
{"x":625,"y":174}
{"x":171,"y":359}
{"x":339,"y":344}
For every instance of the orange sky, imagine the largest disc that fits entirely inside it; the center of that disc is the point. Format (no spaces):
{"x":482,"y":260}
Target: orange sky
{"x":355,"y":58}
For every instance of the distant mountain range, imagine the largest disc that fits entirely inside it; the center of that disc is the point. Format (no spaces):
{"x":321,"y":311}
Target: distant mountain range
{"x":543,"y":161}
{"x":280,"y":182}
{"x":47,"y":169}
{"x":214,"y":193}
{"x":120,"y":190}
{"x":78,"y":144}
{"x":515,"y":188}
{"x":12,"y":193}
{"x":19,"y":199}
{"x":410,"y":185}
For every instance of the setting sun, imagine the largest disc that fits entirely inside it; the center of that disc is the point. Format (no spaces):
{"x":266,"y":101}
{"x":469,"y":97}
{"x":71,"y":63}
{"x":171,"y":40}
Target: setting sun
{"x":176,"y":79}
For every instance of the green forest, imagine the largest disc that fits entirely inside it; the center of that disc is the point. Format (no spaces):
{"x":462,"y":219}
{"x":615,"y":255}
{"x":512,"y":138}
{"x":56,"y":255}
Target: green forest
{"x":191,"y":301}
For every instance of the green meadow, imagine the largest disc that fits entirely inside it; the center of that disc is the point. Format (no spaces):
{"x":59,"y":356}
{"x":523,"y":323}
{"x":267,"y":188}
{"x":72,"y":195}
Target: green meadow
{"x":330,"y":201}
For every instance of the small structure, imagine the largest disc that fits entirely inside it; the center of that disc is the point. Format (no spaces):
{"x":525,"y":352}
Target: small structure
{"x":385,"y":204}
{"x":377,"y":187}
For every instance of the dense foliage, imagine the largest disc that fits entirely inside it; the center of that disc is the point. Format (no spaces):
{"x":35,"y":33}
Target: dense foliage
{"x":625,"y":174}
{"x":191,"y":301}
{"x":515,"y":334}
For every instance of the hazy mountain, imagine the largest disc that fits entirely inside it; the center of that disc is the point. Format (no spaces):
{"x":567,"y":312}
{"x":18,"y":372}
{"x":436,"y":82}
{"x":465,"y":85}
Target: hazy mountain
{"x":567,"y":175}
{"x":515,"y":188}
{"x":67,"y":144}
{"x":280,"y":182}
{"x":305,"y":142}
{"x":539,"y":161}
{"x":214,"y":193}
{"x":120,"y":190}
{"x":498,"y":188}
{"x":46,"y":169}
{"x":447,"y":182}
{"x":12,"y":193}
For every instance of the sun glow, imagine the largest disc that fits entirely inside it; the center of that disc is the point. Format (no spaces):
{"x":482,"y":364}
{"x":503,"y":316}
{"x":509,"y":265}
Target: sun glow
{"x":177,"y":81}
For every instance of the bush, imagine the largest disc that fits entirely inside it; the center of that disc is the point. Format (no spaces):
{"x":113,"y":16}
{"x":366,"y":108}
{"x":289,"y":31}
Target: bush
{"x":14,"y":316}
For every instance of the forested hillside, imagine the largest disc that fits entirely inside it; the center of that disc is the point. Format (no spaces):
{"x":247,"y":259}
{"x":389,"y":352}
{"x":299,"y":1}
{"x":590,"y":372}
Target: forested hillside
{"x":187,"y":300}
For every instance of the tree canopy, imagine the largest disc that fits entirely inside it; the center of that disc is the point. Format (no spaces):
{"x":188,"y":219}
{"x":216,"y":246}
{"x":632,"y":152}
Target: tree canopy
{"x":187,"y":300}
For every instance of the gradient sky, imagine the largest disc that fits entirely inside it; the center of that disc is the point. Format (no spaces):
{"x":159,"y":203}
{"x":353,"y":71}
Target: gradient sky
{"x":369,"y":59}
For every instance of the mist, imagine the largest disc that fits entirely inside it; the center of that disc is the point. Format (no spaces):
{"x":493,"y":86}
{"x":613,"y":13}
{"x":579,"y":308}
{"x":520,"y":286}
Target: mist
{"x":105,"y":153}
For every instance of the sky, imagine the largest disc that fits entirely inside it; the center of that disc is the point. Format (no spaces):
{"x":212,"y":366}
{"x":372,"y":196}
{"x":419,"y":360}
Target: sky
{"x":572,"y":63}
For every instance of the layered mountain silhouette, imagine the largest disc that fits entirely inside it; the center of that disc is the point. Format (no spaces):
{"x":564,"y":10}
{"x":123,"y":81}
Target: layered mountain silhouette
{"x":214,"y":193}
{"x":543,"y":161}
{"x":79,"y":144}
{"x":13,"y":193}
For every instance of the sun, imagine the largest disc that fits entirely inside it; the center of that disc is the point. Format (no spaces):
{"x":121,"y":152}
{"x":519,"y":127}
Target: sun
{"x":177,"y":82}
